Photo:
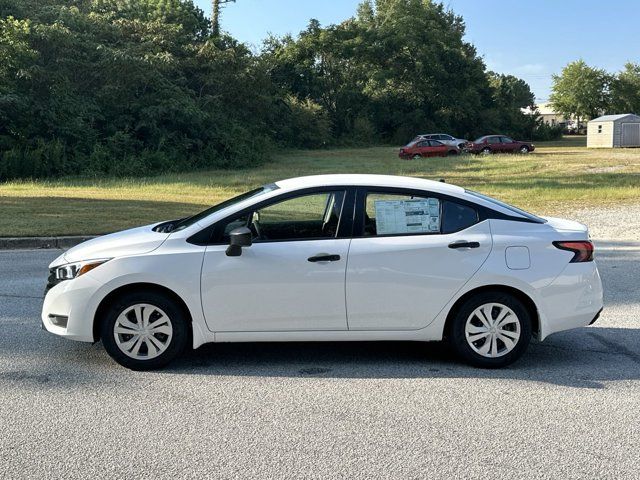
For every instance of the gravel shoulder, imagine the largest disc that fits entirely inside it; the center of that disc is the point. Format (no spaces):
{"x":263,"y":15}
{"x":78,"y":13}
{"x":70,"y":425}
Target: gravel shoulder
{"x":611,"y":223}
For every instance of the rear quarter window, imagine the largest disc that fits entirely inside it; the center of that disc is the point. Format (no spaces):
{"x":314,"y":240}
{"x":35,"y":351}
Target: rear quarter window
{"x":456,"y":217}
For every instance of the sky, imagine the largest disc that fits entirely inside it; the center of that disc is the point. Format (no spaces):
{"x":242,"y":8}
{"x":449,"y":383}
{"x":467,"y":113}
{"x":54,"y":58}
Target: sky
{"x":530,"y":39}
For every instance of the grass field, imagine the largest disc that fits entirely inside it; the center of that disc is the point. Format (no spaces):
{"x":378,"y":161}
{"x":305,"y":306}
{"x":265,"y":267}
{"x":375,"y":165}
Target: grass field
{"x":556,"y":178}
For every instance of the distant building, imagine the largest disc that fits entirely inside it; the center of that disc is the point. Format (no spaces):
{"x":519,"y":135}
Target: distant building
{"x":550,"y":116}
{"x":611,"y":131}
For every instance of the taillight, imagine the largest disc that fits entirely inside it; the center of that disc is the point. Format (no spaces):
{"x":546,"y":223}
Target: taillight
{"x":582,"y":250}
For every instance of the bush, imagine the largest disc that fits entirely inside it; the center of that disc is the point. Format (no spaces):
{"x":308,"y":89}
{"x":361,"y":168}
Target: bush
{"x":544,"y":132}
{"x":42,"y":159}
{"x":304,"y":124}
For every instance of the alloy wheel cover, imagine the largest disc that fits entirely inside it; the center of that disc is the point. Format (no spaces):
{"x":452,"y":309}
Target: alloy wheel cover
{"x":143,"y":331}
{"x":492,"y":330}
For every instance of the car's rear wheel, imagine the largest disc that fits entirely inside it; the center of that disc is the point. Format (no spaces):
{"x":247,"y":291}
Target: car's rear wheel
{"x":491,"y":330}
{"x":416,"y":156}
{"x":452,"y":152}
{"x":524,"y":149}
{"x":144,"y":330}
{"x":485,"y":151}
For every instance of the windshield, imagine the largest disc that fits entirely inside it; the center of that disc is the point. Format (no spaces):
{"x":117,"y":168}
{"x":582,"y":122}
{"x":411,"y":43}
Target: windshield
{"x":479,"y":140}
{"x":186,"y":222}
{"x":528,"y":215}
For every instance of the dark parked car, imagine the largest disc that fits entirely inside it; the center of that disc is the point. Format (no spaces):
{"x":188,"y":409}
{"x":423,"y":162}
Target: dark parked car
{"x":427,"y":148}
{"x":498,"y":144}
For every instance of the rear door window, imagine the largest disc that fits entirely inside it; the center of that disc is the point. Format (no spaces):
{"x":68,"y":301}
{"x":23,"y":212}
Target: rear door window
{"x":408,"y":214}
{"x":398,"y":214}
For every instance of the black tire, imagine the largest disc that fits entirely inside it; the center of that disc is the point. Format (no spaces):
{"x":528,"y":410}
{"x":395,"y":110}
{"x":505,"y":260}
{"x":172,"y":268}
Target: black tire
{"x":179,"y":323}
{"x":452,"y":152}
{"x":416,"y":157}
{"x":458,"y":340}
{"x":524,"y":150}
{"x":485,"y":151}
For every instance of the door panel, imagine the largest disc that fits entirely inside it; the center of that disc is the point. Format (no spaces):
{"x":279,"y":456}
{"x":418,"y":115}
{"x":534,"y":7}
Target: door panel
{"x":428,"y":152}
{"x":403,"y":282}
{"x":273,"y":286}
{"x":631,"y":134}
{"x":508,"y":145}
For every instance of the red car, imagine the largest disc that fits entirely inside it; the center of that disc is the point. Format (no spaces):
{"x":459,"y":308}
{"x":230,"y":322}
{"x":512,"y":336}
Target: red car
{"x":498,"y":144}
{"x":427,"y":148}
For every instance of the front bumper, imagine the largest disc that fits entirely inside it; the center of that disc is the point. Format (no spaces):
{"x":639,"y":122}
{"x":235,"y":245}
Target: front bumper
{"x":70,"y":299}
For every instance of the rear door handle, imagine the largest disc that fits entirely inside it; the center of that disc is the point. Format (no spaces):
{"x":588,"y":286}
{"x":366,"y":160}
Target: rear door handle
{"x":464,"y":244}
{"x":324,"y":257}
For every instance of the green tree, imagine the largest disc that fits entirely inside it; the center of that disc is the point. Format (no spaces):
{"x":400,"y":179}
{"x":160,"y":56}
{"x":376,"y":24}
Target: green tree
{"x":320,"y":66}
{"x":143,"y":86}
{"x":124,"y":87}
{"x":581,"y":91}
{"x":625,"y":90}
{"x":510,"y":96}
{"x":422,"y":74}
{"x":396,"y":68}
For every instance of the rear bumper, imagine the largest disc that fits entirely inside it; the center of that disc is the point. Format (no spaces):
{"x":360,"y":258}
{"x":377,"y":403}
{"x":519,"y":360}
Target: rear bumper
{"x":574,"y":299}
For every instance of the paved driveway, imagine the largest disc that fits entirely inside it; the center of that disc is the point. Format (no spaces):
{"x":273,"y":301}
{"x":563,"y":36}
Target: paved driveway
{"x":569,"y":409}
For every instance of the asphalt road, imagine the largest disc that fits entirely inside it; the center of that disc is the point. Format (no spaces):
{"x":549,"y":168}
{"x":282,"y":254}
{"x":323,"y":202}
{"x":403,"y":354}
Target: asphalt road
{"x":569,"y":409}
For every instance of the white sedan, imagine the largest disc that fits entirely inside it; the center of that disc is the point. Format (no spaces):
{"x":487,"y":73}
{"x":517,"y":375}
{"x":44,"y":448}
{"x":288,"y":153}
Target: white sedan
{"x":330,"y":258}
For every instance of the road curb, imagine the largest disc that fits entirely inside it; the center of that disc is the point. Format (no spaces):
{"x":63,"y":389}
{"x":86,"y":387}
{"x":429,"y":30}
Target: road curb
{"x":24,"y":243}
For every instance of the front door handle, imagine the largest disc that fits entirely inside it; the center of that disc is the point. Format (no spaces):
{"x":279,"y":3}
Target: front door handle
{"x":324,"y":257}
{"x":464,"y":244}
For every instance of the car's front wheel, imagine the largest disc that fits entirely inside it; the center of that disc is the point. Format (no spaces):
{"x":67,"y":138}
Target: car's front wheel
{"x":485,"y":151}
{"x":417,"y":157}
{"x":524,"y":149}
{"x":144,"y":330}
{"x":491,"y":330}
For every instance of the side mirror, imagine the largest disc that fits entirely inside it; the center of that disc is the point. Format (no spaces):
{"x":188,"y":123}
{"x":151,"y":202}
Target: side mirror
{"x":238,"y":238}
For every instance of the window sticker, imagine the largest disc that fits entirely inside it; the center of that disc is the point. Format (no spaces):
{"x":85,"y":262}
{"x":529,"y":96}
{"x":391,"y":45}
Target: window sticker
{"x":407,"y":216}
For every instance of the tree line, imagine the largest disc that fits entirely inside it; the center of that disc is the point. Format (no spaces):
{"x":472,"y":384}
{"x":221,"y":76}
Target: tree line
{"x":584,"y":92}
{"x":129,"y":87}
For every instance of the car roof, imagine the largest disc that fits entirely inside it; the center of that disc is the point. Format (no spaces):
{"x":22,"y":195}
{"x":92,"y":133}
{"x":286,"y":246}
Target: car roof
{"x":369,"y":180}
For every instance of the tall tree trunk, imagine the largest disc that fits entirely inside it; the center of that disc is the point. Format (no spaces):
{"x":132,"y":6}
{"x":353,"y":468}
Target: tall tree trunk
{"x":215,"y":18}
{"x":215,"y":15}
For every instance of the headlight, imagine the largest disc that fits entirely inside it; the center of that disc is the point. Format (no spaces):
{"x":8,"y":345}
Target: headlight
{"x":72,"y":270}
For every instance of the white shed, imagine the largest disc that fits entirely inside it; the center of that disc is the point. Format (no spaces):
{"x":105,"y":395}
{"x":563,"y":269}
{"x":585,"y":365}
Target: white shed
{"x":611,"y":131}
